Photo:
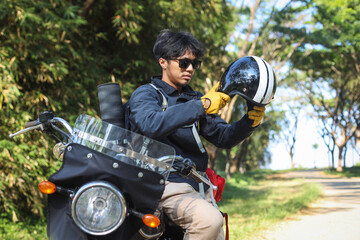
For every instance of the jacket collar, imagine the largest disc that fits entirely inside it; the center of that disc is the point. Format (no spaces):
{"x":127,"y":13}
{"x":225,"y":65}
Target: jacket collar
{"x":170,"y":89}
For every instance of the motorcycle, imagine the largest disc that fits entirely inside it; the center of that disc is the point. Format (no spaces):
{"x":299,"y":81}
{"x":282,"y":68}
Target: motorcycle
{"x":111,"y":179}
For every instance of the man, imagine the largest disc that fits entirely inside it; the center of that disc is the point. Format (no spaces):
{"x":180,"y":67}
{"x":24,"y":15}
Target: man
{"x":187,"y":115}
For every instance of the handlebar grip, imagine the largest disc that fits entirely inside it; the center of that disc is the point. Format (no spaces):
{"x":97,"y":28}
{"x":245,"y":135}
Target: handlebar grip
{"x":31,"y":124}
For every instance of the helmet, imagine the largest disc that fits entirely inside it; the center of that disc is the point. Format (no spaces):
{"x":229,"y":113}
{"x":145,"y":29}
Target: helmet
{"x":250,"y":77}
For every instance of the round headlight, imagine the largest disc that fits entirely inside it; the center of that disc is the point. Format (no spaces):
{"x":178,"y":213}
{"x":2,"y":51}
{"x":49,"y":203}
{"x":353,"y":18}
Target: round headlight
{"x":98,"y":208}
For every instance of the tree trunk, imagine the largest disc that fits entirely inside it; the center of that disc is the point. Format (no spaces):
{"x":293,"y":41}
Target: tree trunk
{"x":344,"y":157}
{"x":339,"y":168}
{"x":242,"y":167}
{"x":213,"y":152}
{"x":292,"y":161}
{"x":239,"y":161}
{"x":228,"y":163}
{"x":233,"y":166}
{"x":86,"y":7}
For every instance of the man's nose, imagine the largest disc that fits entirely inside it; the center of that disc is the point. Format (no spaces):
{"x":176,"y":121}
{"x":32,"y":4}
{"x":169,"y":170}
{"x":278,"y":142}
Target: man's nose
{"x":190,"y":67}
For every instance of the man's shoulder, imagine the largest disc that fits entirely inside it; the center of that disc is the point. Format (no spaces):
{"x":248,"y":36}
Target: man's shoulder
{"x":147,"y":86}
{"x":145,"y":89}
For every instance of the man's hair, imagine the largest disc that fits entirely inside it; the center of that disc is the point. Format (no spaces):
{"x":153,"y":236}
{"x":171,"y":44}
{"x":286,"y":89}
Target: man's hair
{"x":170,"y":44}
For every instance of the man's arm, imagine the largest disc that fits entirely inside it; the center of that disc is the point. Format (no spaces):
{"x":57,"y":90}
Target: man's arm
{"x":148,"y":116}
{"x":224,"y":135}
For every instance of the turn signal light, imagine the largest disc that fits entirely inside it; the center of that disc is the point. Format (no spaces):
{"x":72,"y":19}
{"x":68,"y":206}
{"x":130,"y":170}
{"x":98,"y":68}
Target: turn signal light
{"x":47,"y":187}
{"x":151,"y":220}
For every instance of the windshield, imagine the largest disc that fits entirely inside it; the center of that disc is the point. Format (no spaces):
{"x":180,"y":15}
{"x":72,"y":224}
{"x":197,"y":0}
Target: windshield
{"x":123,"y":145}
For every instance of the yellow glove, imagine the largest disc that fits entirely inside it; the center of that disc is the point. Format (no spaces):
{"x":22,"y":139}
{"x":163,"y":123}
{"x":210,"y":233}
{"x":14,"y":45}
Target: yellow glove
{"x":255,"y":113}
{"x":214,"y":101}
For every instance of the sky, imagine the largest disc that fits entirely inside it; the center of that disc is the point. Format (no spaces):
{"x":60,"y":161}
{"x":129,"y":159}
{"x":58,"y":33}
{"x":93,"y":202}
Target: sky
{"x":305,"y":155}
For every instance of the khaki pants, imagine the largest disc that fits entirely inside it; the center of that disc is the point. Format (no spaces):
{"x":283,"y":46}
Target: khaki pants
{"x":185,"y":207}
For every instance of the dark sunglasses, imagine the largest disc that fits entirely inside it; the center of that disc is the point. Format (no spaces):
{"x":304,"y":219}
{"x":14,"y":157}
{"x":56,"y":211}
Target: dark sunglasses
{"x":185,"y":62}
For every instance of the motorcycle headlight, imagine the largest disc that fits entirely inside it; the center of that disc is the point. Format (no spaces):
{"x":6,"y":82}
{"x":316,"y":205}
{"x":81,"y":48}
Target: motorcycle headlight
{"x":98,"y":208}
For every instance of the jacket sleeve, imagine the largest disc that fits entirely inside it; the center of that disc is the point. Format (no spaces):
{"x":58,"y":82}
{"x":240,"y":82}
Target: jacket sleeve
{"x":150,"y":119}
{"x":224,"y":135}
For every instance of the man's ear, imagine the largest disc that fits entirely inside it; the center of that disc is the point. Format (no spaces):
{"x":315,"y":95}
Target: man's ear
{"x":163,"y":63}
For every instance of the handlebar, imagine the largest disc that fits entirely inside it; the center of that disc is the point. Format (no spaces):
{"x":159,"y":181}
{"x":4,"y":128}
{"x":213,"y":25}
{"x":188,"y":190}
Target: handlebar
{"x":64,"y":123}
{"x":38,"y":125}
{"x":187,"y":168}
{"x":194,"y":174}
{"x":32,"y":123}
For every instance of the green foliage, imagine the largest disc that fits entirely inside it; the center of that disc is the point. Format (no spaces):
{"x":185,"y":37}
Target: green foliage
{"x":54,"y":53}
{"x":262,"y":137}
{"x":30,"y":229}
{"x":36,"y":58}
{"x":139,"y":22}
{"x":254,"y":151}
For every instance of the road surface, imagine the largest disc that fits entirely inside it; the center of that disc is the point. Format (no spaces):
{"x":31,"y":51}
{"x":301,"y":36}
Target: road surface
{"x":334,"y":217}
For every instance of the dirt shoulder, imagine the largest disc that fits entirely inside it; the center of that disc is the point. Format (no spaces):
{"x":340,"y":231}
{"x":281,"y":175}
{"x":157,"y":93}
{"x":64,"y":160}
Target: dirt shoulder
{"x":335,"y":216}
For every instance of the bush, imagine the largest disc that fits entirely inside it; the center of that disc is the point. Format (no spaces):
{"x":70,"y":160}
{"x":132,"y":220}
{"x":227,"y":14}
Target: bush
{"x":29,"y":229}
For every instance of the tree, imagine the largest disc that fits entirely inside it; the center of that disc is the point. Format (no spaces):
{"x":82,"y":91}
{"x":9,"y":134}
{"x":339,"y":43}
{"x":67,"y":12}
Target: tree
{"x":36,"y":62}
{"x":289,"y":133}
{"x":53,"y":54}
{"x":270,"y":32}
{"x":333,"y":86}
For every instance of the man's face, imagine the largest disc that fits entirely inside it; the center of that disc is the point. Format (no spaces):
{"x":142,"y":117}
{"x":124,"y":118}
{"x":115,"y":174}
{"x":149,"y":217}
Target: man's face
{"x":174,"y":75}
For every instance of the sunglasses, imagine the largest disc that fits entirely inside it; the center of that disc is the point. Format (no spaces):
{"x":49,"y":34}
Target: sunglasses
{"x":185,"y":63}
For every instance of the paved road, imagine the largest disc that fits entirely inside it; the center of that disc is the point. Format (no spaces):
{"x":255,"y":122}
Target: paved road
{"x":335,"y":217}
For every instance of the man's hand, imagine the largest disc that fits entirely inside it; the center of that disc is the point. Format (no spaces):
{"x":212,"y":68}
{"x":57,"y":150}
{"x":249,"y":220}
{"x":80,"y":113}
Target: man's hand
{"x":214,"y":101}
{"x":184,"y":166}
{"x":255,"y":113}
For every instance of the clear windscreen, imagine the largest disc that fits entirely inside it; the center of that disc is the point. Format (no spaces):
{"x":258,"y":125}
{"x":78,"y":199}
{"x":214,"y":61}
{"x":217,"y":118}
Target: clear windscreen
{"x":123,"y":145}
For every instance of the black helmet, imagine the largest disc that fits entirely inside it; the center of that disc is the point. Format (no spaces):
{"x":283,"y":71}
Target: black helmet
{"x":250,"y":77}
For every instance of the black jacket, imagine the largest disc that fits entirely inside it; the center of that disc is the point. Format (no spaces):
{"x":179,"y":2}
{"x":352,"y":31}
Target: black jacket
{"x":169,"y":126}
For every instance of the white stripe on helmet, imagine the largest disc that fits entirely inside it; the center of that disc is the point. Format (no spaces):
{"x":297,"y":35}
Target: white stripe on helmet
{"x":263,"y":81}
{"x":271,"y":82}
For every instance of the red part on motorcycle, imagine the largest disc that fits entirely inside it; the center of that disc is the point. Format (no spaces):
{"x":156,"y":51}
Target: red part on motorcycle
{"x":218,"y":181}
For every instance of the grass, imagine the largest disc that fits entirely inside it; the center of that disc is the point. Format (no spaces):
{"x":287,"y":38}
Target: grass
{"x":255,"y":204}
{"x":30,"y":229}
{"x":347,"y":172}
